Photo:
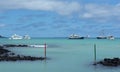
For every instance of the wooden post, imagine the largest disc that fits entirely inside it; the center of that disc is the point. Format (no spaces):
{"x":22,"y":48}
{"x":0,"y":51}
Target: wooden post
{"x":94,"y":54}
{"x":45,"y":50}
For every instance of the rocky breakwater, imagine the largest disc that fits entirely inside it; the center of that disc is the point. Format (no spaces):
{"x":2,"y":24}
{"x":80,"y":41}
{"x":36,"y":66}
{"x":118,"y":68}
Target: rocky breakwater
{"x":6,"y":55}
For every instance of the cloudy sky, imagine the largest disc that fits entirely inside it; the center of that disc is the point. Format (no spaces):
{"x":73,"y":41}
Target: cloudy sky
{"x":59,"y":18}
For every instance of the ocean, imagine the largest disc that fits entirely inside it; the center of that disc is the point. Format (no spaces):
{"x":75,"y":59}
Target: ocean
{"x":64,"y":55}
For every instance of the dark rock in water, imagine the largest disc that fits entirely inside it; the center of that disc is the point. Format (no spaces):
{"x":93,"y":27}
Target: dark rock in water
{"x":110,"y":62}
{"x":9,"y":45}
{"x":1,"y":47}
{"x":6,"y":55}
{"x":13,"y":45}
{"x":12,"y":54}
{"x":3,"y":51}
{"x":22,"y":45}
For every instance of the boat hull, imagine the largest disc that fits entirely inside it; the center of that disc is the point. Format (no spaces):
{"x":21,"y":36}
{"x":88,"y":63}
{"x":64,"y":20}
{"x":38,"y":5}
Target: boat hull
{"x":101,"y":37}
{"x":77,"y":38}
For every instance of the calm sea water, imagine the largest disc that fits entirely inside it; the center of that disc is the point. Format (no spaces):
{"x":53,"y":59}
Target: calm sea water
{"x":64,"y":55}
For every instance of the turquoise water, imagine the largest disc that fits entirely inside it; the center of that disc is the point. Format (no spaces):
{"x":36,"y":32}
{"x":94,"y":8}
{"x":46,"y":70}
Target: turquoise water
{"x":64,"y":55}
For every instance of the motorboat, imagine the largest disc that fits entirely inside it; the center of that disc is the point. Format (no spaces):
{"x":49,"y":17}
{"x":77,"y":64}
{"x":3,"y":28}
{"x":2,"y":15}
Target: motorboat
{"x":26,"y":37}
{"x":18,"y":37}
{"x":111,"y":37}
{"x":102,"y":35}
{"x":75,"y":36}
{"x":15,"y":36}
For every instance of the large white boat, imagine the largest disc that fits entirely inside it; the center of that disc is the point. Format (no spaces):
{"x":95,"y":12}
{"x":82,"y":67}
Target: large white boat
{"x":15,"y":36}
{"x":75,"y":36}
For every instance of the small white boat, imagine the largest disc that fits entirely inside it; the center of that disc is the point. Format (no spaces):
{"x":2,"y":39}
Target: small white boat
{"x":111,"y":37}
{"x":15,"y":36}
{"x":26,"y":37}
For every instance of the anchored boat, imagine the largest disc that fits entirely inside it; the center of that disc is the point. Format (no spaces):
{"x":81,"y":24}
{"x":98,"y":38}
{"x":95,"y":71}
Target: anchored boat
{"x":75,"y":36}
{"x":18,"y":37}
{"x":15,"y":36}
{"x":111,"y":37}
{"x":26,"y":37}
{"x":102,"y":35}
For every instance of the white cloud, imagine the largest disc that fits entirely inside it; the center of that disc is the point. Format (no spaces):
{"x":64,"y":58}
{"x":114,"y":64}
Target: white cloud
{"x":101,"y":11}
{"x":61,"y":7}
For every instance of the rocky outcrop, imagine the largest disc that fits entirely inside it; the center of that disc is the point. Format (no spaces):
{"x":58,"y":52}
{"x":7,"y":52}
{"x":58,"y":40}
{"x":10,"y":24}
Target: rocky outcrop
{"x":13,"y":45}
{"x":110,"y":62}
{"x":6,"y":55}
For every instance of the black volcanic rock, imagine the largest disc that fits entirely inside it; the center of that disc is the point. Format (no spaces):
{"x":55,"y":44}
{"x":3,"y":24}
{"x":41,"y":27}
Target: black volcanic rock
{"x":3,"y":51}
{"x":110,"y":62}
{"x":6,"y":55}
{"x":13,"y":45}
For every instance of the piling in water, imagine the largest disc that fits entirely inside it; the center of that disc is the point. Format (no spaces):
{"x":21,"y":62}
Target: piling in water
{"x":45,"y":50}
{"x":95,"y":54}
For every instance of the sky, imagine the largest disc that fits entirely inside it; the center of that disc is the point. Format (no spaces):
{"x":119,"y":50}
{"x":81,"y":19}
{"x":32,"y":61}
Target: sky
{"x":59,"y":18}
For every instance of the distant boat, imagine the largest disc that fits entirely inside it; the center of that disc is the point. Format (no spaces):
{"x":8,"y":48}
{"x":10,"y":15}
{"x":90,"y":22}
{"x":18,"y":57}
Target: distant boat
{"x":111,"y":37}
{"x":75,"y":36}
{"x":102,"y":36}
{"x":15,"y":36}
{"x":26,"y":37}
{"x":18,"y":37}
{"x":88,"y":36}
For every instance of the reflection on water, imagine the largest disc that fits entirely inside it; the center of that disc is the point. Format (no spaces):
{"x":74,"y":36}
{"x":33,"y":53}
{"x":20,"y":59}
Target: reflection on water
{"x":45,"y":66}
{"x":53,"y":46}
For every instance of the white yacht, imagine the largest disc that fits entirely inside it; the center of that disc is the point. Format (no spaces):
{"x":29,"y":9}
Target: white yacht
{"x":26,"y":37}
{"x":15,"y":36}
{"x":75,"y":36}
